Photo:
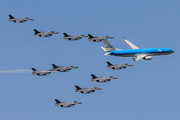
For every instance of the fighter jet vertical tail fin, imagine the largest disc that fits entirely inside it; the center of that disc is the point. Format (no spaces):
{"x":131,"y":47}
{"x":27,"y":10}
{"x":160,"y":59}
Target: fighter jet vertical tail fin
{"x":93,"y":76}
{"x":11,"y":17}
{"x":109,"y":64}
{"x":54,"y":66}
{"x":33,"y":69}
{"x":36,"y":32}
{"x":77,"y":87}
{"x":108,"y":45}
{"x":65,"y":35}
{"x":90,"y":36}
{"x":57,"y":101}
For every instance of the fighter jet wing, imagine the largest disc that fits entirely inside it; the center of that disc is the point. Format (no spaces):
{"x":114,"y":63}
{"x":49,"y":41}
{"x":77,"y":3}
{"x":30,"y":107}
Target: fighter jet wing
{"x":42,"y":31}
{"x":18,"y":20}
{"x":43,"y":35}
{"x":130,"y":44}
{"x":138,"y":57}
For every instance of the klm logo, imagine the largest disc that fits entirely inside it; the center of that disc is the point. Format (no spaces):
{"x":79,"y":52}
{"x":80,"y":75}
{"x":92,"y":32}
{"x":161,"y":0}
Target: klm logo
{"x":108,"y":46}
{"x":159,"y":50}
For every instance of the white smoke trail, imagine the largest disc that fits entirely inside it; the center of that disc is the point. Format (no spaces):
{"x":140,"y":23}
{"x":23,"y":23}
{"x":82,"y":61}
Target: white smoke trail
{"x":16,"y":71}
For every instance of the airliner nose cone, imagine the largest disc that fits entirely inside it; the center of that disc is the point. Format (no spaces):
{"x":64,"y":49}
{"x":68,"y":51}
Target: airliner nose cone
{"x":172,"y":51}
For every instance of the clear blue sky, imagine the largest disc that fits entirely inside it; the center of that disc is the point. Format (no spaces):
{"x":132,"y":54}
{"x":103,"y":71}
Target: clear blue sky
{"x":147,"y":91}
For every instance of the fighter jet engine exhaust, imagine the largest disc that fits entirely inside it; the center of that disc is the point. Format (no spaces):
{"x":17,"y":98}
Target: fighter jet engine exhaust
{"x":16,"y":71}
{"x":21,"y":70}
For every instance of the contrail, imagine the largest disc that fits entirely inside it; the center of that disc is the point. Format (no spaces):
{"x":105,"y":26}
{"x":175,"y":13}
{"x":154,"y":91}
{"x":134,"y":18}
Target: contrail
{"x":16,"y":71}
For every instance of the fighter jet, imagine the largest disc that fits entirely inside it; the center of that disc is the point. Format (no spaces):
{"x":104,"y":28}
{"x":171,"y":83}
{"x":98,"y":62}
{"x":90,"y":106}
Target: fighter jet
{"x":71,"y":37}
{"x":62,"y":69}
{"x":116,"y":67}
{"x":18,"y":20}
{"x":101,"y":79}
{"x":44,"y":34}
{"x":65,"y":104}
{"x":86,"y":90}
{"x":98,"y":39}
{"x":40,"y":72}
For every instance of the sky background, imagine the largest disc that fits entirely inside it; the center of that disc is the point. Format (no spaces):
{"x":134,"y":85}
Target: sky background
{"x":149,"y":90}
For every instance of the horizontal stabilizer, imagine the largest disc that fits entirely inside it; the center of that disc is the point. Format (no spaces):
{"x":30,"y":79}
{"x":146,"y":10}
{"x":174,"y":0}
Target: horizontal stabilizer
{"x":107,"y":53}
{"x":103,"y":48}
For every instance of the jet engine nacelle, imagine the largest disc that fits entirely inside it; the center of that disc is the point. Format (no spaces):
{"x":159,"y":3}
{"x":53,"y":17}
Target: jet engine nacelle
{"x":148,"y":58}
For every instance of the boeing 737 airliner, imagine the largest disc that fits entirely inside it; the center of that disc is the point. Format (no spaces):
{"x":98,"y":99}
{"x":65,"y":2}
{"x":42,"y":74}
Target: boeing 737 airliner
{"x":136,"y":52}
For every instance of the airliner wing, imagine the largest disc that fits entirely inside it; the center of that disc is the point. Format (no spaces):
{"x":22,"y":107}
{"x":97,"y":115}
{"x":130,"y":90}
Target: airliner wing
{"x":130,"y":44}
{"x":138,"y":57}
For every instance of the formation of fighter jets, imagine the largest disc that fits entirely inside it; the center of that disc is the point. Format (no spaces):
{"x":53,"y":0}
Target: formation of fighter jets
{"x":136,"y":53}
{"x":54,"y":69}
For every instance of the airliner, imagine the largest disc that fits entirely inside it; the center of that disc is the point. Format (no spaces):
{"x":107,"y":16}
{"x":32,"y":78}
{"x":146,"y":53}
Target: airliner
{"x":136,"y":53}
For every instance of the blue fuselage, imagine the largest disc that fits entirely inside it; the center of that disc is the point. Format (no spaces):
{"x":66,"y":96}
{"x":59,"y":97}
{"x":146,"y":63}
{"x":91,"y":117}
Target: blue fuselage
{"x":135,"y":52}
